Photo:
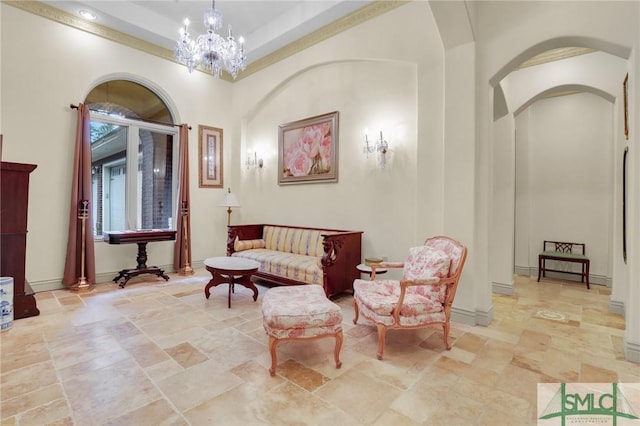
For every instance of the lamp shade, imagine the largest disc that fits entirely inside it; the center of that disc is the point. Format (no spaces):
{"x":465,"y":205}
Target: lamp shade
{"x":229,"y":200}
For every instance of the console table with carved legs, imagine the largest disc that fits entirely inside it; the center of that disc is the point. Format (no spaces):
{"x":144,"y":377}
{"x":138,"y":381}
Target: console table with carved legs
{"x":142,"y":238}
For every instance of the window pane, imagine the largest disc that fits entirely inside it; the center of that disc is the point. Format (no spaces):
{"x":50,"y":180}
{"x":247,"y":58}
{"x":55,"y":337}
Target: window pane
{"x":128,"y":99}
{"x":108,"y":161}
{"x":133,"y":151}
{"x":155,"y":172}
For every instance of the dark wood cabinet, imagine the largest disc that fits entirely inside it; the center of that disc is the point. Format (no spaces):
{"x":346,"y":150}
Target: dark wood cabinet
{"x":14,"y":199}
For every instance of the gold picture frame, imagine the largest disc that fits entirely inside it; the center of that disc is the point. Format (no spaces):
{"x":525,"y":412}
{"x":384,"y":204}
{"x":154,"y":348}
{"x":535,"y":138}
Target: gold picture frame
{"x":210,"y":157}
{"x":625,"y":175}
{"x":308,"y":150}
{"x":626,"y":106}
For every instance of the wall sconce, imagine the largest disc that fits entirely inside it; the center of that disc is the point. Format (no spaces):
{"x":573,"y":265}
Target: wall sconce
{"x":253,"y":160}
{"x":381,"y":146}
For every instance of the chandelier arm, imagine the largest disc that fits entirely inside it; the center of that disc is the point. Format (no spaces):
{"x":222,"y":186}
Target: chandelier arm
{"x":210,"y":50}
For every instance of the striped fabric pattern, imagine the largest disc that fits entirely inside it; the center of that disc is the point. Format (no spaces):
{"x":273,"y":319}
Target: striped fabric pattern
{"x":240,"y":245}
{"x":297,"y":267}
{"x":307,"y":242}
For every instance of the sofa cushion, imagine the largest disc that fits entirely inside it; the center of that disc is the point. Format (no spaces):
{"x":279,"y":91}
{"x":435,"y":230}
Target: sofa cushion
{"x":240,"y":245}
{"x":307,"y":242}
{"x":449,"y":248}
{"x":425,"y":262}
{"x":299,"y":312}
{"x":306,"y":269}
{"x":381,"y":297}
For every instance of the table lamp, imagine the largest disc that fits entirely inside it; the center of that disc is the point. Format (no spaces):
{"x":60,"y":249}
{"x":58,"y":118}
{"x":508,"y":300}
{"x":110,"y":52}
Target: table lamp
{"x":229,"y":201}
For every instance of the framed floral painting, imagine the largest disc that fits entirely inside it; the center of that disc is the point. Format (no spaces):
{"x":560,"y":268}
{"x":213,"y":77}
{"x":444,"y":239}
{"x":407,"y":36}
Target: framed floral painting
{"x":308,"y":150}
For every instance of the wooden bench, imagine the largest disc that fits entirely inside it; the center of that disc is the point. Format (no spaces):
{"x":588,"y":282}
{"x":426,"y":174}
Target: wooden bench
{"x":564,"y":252}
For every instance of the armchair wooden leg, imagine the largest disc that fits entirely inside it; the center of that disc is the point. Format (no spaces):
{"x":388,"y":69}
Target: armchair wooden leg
{"x":446,"y":326}
{"x":381,"y":334}
{"x":273,"y":342}
{"x":336,"y":351}
{"x":357,"y":313}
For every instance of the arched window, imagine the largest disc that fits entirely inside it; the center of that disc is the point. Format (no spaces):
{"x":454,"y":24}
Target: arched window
{"x":133,"y":150}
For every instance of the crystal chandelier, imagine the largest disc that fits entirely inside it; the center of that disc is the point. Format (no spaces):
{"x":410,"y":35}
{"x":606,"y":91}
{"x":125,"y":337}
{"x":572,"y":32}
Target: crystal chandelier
{"x":211,"y":50}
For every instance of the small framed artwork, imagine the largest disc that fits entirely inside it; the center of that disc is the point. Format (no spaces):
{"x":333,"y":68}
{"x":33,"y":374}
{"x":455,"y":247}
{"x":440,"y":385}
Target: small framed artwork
{"x":625,"y":91}
{"x":308,"y":150}
{"x":210,"y":155}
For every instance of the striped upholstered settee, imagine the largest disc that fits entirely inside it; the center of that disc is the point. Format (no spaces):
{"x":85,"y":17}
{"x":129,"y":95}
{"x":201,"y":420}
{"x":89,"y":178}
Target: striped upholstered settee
{"x":294,"y":255}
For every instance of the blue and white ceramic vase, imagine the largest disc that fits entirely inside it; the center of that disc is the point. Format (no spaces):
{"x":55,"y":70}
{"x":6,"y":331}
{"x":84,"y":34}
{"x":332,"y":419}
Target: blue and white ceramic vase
{"x":6,"y":303}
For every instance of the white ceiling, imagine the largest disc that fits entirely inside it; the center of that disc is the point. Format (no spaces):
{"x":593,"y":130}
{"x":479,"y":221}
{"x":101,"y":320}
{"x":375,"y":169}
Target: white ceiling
{"x":265,"y":25}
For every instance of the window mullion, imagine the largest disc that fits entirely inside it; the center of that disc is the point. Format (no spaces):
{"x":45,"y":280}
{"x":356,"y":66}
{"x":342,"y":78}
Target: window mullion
{"x":132,"y":178}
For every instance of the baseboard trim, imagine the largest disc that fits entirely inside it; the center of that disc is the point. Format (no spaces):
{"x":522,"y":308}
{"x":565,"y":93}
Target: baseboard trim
{"x":502,"y":288}
{"x":484,"y":317}
{"x":632,"y":351}
{"x":616,"y":307}
{"x":463,"y":316}
{"x":472,"y":317}
{"x":101,"y":278}
{"x":523,"y":271}
{"x":533,"y":272}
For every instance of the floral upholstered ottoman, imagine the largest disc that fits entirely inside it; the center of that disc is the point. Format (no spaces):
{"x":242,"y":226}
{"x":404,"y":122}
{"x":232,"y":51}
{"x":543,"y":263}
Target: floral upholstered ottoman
{"x":300,"y":312}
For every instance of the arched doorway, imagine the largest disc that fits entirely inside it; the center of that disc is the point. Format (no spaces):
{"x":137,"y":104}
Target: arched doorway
{"x":555,"y":82}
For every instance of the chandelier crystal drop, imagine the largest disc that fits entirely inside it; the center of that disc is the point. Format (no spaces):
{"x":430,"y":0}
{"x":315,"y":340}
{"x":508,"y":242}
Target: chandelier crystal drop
{"x":210,"y":50}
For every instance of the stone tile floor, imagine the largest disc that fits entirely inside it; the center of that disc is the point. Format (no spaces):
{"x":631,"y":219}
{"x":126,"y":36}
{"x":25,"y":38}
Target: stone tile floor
{"x":159,"y":353}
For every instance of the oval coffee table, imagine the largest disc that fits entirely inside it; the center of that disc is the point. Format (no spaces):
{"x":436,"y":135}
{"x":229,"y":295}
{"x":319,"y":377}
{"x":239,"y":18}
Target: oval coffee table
{"x":231,"y":270}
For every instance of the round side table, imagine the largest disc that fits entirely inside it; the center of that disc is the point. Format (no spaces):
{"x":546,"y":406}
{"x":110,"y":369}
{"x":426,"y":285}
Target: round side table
{"x":231,"y":270}
{"x":366,"y":269}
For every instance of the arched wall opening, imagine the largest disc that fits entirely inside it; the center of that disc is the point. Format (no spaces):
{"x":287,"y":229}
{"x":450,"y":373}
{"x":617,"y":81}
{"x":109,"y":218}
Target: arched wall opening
{"x":524,"y":181}
{"x":564,"y":182}
{"x":134,"y":157}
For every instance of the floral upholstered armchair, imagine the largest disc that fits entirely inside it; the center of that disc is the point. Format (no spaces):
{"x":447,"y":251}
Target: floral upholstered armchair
{"x":422,"y":297}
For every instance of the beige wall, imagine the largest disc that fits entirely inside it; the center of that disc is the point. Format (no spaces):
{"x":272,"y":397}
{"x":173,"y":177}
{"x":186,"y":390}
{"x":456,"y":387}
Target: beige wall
{"x":565,"y":178}
{"x":375,"y":78}
{"x":372,"y":88}
{"x":62,"y":66}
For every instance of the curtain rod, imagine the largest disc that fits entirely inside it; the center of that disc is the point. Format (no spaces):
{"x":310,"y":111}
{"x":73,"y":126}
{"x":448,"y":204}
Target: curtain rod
{"x":136,"y":118}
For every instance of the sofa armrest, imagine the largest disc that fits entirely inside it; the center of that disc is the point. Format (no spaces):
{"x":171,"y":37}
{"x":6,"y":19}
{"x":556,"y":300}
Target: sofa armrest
{"x":333,"y":243}
{"x":242,"y":232}
{"x":342,"y":253}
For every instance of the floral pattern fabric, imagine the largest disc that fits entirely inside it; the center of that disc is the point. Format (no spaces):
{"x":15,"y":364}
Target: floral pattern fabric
{"x":426,"y":262}
{"x":299,"y":312}
{"x":381,"y":298}
{"x":449,"y":248}
{"x":422,"y":304}
{"x":388,"y":320}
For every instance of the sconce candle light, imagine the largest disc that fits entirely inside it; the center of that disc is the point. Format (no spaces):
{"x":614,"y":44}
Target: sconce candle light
{"x":381,"y":147}
{"x":253,"y":160}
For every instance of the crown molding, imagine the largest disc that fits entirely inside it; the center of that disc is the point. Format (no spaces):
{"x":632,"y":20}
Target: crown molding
{"x":372,"y":10}
{"x":555,"y":55}
{"x":376,"y":8}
